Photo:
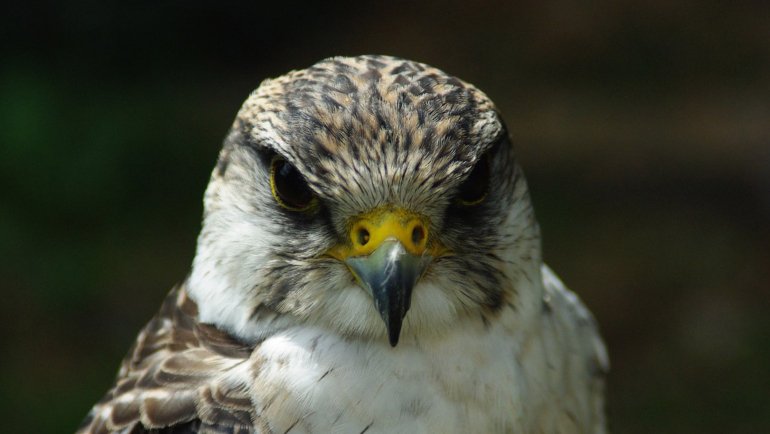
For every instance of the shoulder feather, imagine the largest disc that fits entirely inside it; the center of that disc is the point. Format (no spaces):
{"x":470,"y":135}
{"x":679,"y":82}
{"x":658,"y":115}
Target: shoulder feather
{"x":175,"y":379}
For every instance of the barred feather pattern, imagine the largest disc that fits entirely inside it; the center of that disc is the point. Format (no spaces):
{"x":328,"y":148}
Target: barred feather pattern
{"x":181,"y":376}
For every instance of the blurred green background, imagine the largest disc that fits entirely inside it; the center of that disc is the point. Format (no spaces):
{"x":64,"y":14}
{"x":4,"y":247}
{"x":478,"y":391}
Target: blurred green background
{"x":644,"y":129}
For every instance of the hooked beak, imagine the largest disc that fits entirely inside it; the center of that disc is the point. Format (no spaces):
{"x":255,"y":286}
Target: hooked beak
{"x":390,"y":273}
{"x":387,"y":252}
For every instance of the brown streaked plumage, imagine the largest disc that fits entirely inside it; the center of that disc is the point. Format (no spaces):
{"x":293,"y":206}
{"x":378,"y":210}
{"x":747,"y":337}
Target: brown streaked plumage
{"x":342,"y":112}
{"x":272,"y":332}
{"x":168,"y":378}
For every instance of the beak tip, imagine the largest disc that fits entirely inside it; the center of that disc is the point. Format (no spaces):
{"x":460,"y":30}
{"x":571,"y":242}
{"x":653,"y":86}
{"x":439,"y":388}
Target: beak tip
{"x":393,"y":337}
{"x":389,"y":274}
{"x":392,"y":326}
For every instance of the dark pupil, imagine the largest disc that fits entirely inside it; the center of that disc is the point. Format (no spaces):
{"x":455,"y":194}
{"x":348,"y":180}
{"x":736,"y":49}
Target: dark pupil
{"x":291,"y":187}
{"x":476,"y":185}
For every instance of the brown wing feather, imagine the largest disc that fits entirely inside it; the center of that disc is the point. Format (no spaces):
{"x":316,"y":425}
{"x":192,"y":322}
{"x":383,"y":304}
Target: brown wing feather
{"x":173,"y":379}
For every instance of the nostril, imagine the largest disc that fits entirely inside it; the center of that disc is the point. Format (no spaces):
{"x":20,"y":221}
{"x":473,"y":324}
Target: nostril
{"x":418,"y":234}
{"x":362,"y":236}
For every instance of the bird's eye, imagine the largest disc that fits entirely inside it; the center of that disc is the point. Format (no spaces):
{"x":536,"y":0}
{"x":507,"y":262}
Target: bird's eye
{"x":475,"y":188}
{"x":289,"y":187}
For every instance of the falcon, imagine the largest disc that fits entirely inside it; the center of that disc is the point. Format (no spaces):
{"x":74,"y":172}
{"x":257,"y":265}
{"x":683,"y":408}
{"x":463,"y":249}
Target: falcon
{"x":369,"y":262}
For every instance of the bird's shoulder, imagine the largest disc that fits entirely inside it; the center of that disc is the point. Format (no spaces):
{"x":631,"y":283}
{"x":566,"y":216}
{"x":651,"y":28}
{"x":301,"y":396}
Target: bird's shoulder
{"x":573,"y":347}
{"x":566,"y":306}
{"x":180,"y":376}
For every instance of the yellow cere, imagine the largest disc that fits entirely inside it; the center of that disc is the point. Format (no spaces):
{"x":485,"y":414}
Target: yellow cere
{"x":369,"y":230}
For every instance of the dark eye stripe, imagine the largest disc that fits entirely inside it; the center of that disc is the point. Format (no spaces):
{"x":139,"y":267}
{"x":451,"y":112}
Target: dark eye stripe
{"x":289,"y":187}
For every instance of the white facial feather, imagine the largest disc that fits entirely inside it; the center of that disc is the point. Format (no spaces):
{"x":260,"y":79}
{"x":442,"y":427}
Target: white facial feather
{"x":233,"y":251}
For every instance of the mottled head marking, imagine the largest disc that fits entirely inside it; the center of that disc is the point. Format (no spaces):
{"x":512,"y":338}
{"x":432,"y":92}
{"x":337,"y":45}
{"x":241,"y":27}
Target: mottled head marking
{"x":364,"y":132}
{"x":358,"y":127}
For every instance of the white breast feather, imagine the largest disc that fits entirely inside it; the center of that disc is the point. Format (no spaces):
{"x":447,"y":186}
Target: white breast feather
{"x":533,"y":377}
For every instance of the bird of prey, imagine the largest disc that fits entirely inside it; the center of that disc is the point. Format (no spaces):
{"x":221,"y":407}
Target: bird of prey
{"x":369,"y":261}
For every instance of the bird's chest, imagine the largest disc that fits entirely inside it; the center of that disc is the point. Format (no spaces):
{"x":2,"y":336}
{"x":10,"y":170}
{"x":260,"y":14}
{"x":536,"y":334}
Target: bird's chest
{"x":308,"y":381}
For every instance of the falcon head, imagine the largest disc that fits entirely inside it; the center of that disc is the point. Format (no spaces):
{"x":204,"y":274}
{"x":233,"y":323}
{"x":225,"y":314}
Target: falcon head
{"x":371,"y":196}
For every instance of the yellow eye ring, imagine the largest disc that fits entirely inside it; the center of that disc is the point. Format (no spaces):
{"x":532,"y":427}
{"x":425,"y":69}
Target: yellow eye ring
{"x":481,"y":199}
{"x":289,"y":187}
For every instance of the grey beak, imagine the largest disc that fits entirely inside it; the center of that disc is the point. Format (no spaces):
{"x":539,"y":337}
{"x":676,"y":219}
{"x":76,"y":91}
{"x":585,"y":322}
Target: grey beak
{"x":389,"y":274}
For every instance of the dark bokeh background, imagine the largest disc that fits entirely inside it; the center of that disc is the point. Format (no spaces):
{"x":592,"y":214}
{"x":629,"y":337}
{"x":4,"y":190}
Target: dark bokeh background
{"x":644,"y":128}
